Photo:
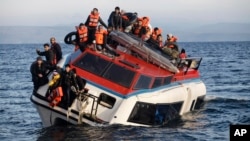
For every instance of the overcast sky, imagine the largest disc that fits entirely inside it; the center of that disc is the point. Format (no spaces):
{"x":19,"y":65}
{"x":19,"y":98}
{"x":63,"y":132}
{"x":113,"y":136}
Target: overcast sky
{"x":65,"y":12}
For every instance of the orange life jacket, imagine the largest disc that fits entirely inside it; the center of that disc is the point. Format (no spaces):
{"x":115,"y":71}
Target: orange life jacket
{"x":173,"y":39}
{"x":155,"y":34}
{"x":145,"y":21}
{"x":55,"y":96}
{"x":93,"y":20}
{"x":83,"y":34}
{"x":99,"y":36}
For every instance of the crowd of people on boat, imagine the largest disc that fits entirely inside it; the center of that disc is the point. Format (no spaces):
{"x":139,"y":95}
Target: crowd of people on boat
{"x":93,"y":32}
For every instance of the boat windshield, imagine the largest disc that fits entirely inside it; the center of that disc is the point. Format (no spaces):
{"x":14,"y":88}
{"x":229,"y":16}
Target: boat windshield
{"x":106,"y":69}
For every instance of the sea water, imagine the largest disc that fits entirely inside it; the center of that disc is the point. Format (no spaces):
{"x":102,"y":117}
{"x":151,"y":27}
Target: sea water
{"x":225,"y":70}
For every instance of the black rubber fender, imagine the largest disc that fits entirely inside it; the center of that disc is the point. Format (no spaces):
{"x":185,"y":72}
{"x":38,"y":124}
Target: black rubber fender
{"x":68,"y":38}
{"x":132,"y":18}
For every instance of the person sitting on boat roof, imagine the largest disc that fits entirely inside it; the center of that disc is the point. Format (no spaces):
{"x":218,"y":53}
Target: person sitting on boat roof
{"x":38,"y":72}
{"x":92,"y":23}
{"x":128,"y":20}
{"x":100,"y":38}
{"x":183,"y":54}
{"x":78,"y":84}
{"x":145,"y":30}
{"x":157,"y":31}
{"x":115,"y":19}
{"x":159,"y":40}
{"x":49,"y":55}
{"x":171,"y":42}
{"x":137,"y":27}
{"x":67,"y":76}
{"x":81,"y":37}
{"x":56,"y":48}
{"x":170,"y":47}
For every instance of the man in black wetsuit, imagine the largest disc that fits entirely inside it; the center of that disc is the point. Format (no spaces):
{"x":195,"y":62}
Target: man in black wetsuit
{"x":115,"y":20}
{"x":78,"y":82}
{"x":38,"y":71}
{"x":49,"y":55}
{"x":67,"y":77}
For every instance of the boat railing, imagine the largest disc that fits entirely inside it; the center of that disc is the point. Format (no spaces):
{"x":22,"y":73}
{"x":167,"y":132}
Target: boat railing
{"x":190,"y":63}
{"x":147,"y":53}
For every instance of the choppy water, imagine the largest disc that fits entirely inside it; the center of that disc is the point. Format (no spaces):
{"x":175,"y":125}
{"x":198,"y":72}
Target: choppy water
{"x":225,"y":69}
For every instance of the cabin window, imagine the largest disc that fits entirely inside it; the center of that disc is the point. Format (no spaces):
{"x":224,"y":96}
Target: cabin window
{"x":108,"y":70}
{"x":143,"y":113}
{"x":106,"y":100}
{"x":143,"y":82}
{"x":92,"y":63}
{"x":119,"y":75}
{"x":154,"y":114}
{"x":167,"y":80}
{"x":166,"y":112}
{"x":157,"y":82}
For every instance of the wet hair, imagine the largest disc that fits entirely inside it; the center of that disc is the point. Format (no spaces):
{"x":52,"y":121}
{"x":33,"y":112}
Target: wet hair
{"x":46,"y":44}
{"x":67,"y":65}
{"x":156,"y":28}
{"x":117,"y":8}
{"x":95,"y":9}
{"x":183,"y":50}
{"x":81,"y":24}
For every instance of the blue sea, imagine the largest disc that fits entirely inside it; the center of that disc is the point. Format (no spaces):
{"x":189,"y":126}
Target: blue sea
{"x":225,"y":69}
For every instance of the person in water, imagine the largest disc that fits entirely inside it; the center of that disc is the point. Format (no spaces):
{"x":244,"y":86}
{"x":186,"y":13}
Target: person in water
{"x":56,"y":48}
{"x":38,"y":72}
{"x":92,"y":23}
{"x":115,"y":19}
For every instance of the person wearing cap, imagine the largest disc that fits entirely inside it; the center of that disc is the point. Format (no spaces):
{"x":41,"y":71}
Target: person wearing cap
{"x":38,"y":72}
{"x":66,"y":82}
{"x":49,"y":55}
{"x":56,"y":48}
{"x":171,"y":42}
{"x":92,"y":23}
{"x":115,"y":19}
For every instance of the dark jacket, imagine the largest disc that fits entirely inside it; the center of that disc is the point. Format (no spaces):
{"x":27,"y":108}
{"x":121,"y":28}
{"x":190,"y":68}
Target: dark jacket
{"x":78,"y":82}
{"x":35,"y":70}
{"x":67,"y":78}
{"x":115,"y":20}
{"x":49,"y":55}
{"x":56,"y":48}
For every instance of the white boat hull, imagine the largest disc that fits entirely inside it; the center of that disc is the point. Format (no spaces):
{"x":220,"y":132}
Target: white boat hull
{"x":186,"y":93}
